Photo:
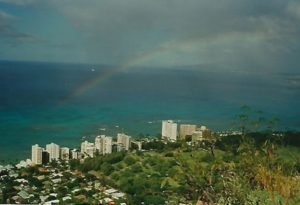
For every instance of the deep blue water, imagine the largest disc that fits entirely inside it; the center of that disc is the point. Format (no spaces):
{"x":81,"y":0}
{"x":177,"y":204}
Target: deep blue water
{"x":37,"y":105}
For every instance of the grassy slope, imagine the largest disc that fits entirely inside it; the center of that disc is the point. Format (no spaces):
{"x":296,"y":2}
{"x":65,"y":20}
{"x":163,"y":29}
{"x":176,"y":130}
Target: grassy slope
{"x":168,"y":173}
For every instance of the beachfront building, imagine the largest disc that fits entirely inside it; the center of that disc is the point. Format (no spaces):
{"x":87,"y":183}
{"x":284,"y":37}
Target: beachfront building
{"x":107,"y":145}
{"x":88,"y":149}
{"x":201,"y":134}
{"x":98,"y":143}
{"x":186,"y":130}
{"x":169,"y":130}
{"x":197,"y":136}
{"x":65,"y":153}
{"x":75,"y":154}
{"x":123,"y":141}
{"x":103,"y":144}
{"x":53,"y":150}
{"x":36,"y":154}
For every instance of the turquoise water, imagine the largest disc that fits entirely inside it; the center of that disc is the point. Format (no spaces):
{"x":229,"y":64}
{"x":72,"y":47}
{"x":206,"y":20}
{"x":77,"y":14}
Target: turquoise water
{"x":37,"y":105}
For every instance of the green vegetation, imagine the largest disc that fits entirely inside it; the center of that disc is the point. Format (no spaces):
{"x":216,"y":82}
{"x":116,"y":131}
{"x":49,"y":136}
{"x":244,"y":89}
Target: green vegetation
{"x":257,"y":167}
{"x":241,"y":170}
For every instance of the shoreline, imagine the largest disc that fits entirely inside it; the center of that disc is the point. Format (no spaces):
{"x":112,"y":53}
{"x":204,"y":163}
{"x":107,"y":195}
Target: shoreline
{"x":14,"y":161}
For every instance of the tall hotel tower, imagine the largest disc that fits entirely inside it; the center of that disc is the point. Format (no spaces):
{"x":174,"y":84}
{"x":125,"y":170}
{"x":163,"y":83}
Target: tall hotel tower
{"x":88,"y":149}
{"x":169,"y":130}
{"x":123,"y":141}
{"x":103,"y":144}
{"x":36,"y":154}
{"x":53,"y":150}
{"x":186,"y":129}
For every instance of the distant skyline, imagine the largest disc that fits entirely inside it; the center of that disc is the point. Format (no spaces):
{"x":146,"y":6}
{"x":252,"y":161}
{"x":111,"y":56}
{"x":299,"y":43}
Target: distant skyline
{"x":257,"y":35}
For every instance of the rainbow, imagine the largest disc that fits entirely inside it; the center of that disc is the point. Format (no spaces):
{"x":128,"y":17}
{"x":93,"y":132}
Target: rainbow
{"x":186,"y":46}
{"x":113,"y":71}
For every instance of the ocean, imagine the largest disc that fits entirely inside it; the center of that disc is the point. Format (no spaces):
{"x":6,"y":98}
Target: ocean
{"x":51,"y":102}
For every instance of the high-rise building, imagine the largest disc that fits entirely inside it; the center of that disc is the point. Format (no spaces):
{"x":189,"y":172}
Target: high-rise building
{"x":103,"y":144}
{"x":36,"y":154}
{"x":169,"y":130}
{"x":53,"y":150}
{"x":45,"y":157}
{"x":123,"y":142}
{"x":75,"y":154}
{"x":186,"y":129}
{"x":88,"y":149}
{"x":107,"y":145}
{"x":65,"y":153}
{"x":98,"y":143}
{"x":201,"y":134}
{"x":197,"y":136}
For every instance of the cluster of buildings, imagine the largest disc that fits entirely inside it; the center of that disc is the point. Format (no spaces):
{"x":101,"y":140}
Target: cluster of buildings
{"x":101,"y":146}
{"x":57,"y":185}
{"x":78,"y":187}
{"x":40,"y":155}
{"x":106,"y":145}
{"x":197,"y":134}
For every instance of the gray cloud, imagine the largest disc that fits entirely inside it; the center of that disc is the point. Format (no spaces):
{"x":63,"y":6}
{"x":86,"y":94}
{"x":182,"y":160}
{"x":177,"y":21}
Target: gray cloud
{"x":9,"y":32}
{"x":5,"y":18}
{"x":236,"y":34}
{"x":19,"y":2}
{"x":258,"y":33}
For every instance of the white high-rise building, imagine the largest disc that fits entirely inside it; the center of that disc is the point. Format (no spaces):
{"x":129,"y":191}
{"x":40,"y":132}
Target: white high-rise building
{"x":123,"y":142}
{"x":98,"y":143}
{"x":107,"y":145}
{"x":103,"y":144}
{"x":53,"y":150}
{"x":169,"y":130}
{"x":186,"y":129}
{"x":65,"y":153}
{"x":88,"y":149}
{"x":36,"y":154}
{"x":76,"y":154}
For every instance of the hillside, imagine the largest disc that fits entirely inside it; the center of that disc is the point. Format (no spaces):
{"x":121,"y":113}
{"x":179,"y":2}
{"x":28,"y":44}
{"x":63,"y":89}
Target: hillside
{"x":231,"y":170}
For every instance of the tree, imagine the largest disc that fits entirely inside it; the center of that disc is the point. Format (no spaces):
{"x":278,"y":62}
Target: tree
{"x":107,"y":168}
{"x":136,"y":168}
{"x":152,"y":199}
{"x":74,"y":164}
{"x":129,"y":160}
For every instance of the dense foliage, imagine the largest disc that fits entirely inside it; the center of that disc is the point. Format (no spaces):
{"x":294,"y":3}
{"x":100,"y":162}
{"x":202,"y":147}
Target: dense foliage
{"x":255,"y":168}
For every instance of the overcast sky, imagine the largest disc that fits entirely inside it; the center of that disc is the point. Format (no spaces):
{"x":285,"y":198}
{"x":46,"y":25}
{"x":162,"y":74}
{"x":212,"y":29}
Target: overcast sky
{"x":237,"y":34}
